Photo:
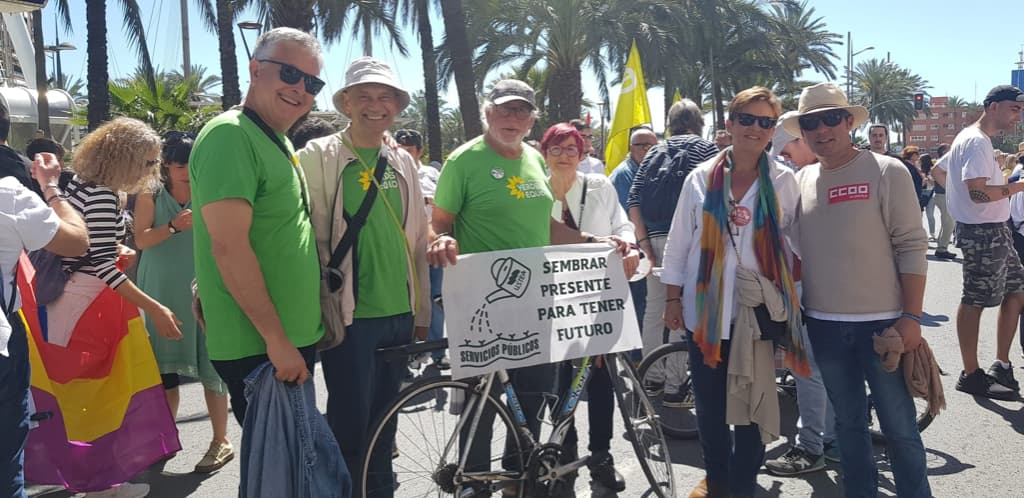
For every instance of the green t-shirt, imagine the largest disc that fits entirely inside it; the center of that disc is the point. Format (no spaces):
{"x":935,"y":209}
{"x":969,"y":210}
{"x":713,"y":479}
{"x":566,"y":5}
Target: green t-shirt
{"x":498,"y":203}
{"x":234,"y":159}
{"x":382,"y":288}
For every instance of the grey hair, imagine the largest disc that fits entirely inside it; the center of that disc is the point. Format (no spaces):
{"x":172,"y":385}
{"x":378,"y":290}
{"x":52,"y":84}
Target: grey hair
{"x":266,"y":42}
{"x":684,"y":117}
{"x":488,"y":105}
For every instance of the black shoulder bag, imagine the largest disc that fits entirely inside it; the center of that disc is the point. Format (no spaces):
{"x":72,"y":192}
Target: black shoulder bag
{"x":335,"y":279}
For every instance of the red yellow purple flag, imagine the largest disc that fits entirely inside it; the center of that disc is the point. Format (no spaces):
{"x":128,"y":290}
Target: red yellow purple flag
{"x":106,"y":417}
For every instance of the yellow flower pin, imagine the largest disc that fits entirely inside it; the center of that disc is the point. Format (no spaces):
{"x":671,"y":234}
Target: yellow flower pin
{"x":364,"y":180}
{"x":513,"y":186}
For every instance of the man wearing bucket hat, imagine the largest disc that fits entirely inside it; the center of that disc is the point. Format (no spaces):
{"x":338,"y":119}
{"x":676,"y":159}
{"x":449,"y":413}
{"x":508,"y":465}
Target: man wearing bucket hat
{"x":863,"y":250}
{"x":977,"y":198}
{"x":364,"y":188}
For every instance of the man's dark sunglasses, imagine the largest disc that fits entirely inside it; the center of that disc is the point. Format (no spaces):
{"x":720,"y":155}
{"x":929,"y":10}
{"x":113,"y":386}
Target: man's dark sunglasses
{"x":745,"y":119}
{"x":831,"y":118}
{"x":291,"y":75}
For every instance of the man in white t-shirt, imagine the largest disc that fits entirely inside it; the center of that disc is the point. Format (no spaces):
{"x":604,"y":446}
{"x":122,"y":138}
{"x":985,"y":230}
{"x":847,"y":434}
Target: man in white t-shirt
{"x":977,"y":197}
{"x":26,"y":223}
{"x":589,"y":163}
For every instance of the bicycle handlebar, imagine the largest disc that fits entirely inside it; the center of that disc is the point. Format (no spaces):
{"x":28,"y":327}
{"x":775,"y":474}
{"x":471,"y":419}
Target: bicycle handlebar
{"x":414,"y":348}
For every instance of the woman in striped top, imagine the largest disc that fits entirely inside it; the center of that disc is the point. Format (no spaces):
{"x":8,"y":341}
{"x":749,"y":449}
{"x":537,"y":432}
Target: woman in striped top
{"x":122,"y":156}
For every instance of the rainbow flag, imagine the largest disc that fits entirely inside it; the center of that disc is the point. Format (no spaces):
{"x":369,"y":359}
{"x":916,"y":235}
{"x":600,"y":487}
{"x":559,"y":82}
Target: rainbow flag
{"x":108,"y":415}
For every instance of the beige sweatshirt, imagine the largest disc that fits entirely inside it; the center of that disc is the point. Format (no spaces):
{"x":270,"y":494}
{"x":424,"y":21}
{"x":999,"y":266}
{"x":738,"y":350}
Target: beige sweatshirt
{"x":859,"y":227}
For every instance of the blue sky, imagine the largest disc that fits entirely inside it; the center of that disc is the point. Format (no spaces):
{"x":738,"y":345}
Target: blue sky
{"x":960,"y":51}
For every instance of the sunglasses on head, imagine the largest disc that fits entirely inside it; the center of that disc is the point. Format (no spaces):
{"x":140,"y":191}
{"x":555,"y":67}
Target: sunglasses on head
{"x":291,"y":75}
{"x":746,"y":119}
{"x":831,"y":118}
{"x":172,"y":137}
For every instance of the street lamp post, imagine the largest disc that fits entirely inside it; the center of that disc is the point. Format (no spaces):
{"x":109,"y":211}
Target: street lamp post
{"x":850,"y":54}
{"x":248,"y":25}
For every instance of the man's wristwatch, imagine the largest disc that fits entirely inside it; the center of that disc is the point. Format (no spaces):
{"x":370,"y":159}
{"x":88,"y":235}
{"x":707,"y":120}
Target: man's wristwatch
{"x":170,"y":226}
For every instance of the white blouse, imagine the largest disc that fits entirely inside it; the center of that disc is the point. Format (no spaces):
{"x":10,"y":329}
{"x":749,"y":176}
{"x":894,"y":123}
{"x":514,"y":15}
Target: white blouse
{"x":601,"y":212}
{"x":681,"y":260}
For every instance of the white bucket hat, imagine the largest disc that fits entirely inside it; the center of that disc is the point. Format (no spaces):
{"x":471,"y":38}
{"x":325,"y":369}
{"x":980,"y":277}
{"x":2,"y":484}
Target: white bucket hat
{"x":369,"y":70}
{"x":819,"y":98}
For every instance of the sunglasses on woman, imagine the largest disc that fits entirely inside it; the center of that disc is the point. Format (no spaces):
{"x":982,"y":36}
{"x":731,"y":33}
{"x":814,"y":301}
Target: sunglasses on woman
{"x":831,"y":118}
{"x":291,"y":75}
{"x":746,"y":119}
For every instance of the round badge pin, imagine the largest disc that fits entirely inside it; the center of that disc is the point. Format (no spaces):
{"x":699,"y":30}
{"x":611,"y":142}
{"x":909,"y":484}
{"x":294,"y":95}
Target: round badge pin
{"x":498,"y":173}
{"x":741,"y":216}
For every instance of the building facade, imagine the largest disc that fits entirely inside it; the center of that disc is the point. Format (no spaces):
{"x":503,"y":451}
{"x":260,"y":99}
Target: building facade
{"x":927,"y":132}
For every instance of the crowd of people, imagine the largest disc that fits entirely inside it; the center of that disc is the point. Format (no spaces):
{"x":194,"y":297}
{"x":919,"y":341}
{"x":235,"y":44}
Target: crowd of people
{"x":270,"y":238}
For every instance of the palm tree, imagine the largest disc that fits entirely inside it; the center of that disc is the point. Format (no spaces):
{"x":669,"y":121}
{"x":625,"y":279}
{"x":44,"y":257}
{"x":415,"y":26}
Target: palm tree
{"x":956,"y":105}
{"x":42,"y":103}
{"x":220,"y":18}
{"x":333,"y":20}
{"x":96,"y":51}
{"x":417,"y":13}
{"x":462,"y":65}
{"x":170,"y":106}
{"x":887,"y":90}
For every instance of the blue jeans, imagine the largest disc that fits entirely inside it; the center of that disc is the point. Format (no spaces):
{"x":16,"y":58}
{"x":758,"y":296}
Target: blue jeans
{"x":359,"y":387}
{"x":731,"y":458}
{"x":817,"y":422}
{"x":287,"y":448}
{"x":846,"y":357}
{"x":14,"y":415}
{"x":436,"y":312}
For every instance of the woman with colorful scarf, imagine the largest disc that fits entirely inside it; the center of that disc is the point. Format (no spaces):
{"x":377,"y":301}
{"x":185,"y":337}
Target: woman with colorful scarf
{"x":726,"y":254}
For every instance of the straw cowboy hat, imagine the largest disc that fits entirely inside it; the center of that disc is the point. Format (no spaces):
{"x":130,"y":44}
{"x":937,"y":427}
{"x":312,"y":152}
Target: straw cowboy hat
{"x":819,"y":98}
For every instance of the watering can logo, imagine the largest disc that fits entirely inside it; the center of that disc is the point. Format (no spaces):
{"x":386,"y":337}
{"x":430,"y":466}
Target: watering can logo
{"x":510,"y":277}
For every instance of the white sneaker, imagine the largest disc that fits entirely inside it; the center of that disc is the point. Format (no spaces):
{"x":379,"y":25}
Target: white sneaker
{"x":126,"y":490}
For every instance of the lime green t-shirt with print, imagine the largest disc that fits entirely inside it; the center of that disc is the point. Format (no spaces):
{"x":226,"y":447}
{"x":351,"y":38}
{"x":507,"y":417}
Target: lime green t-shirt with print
{"x":382,"y":287}
{"x":498,"y":203}
{"x":233,"y":159}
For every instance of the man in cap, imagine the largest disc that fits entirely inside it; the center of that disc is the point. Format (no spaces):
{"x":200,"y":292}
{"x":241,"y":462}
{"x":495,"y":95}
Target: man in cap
{"x":493,"y":195}
{"x":386,"y":288}
{"x":791,"y":149}
{"x":977,"y":198}
{"x":816,"y":435}
{"x":260,"y":298}
{"x":863,"y":250}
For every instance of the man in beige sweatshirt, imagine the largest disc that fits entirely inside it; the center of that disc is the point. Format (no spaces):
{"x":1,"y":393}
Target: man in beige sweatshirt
{"x":863,"y":250}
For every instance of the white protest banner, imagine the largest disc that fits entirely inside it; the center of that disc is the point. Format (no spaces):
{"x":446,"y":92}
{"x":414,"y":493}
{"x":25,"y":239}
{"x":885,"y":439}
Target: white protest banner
{"x":522,"y":307}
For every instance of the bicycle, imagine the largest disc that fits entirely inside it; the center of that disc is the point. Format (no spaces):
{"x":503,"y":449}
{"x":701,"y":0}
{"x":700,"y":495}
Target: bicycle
{"x":436,"y":419}
{"x":681,"y":423}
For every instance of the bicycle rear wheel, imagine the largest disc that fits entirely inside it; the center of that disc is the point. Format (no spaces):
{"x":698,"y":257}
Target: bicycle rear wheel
{"x":642,"y":427}
{"x":924,"y":419}
{"x":679,"y":421}
{"x":425,"y":451}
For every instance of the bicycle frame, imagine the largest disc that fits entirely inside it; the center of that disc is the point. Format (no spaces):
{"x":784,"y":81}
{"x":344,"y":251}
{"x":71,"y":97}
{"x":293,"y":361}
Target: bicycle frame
{"x":563,"y":419}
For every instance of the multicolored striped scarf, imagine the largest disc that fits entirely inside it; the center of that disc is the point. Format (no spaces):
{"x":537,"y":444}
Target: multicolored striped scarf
{"x":772,"y":257}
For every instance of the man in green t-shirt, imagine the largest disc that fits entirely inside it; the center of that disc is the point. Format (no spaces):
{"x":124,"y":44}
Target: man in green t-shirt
{"x":385,"y":292}
{"x":493,"y":194}
{"x":255,"y":255}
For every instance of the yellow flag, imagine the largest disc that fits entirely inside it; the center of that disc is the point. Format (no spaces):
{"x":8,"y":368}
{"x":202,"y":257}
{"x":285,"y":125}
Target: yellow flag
{"x":631,"y":111}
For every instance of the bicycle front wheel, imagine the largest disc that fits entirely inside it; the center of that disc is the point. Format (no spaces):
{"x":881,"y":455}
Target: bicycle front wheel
{"x":416,"y":447}
{"x":678,"y":414}
{"x":642,"y":427}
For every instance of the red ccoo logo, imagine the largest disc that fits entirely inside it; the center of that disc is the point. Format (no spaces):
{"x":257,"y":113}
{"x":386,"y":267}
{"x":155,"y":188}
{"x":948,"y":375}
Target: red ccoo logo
{"x":854,"y":192}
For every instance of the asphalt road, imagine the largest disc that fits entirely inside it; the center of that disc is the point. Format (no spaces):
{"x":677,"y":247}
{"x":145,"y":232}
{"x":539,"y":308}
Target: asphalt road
{"x":975,"y":448}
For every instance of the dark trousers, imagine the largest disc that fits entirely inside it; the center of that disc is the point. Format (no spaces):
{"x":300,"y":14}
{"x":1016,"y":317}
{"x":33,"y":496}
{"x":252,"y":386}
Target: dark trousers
{"x":731,"y":457}
{"x":234,"y":372}
{"x":359,"y":387}
{"x":14,"y":415}
{"x":600,"y":410}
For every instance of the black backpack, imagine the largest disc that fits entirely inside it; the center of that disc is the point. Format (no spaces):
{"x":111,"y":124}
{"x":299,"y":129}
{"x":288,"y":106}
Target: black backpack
{"x":663,"y":183}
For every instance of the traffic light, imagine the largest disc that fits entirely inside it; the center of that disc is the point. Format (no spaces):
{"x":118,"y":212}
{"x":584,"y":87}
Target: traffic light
{"x":918,"y":101}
